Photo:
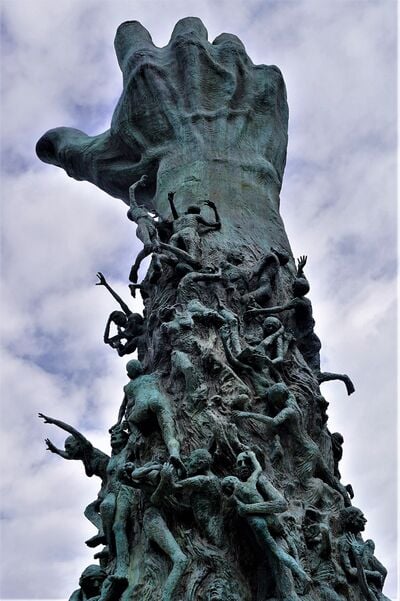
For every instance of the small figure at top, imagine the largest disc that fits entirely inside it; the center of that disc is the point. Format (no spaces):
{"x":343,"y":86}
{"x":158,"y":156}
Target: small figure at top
{"x":146,"y":230}
{"x":187,"y":228}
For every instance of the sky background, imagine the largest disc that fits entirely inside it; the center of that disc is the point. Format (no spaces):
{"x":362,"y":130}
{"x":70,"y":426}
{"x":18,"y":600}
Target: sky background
{"x":338,"y":203}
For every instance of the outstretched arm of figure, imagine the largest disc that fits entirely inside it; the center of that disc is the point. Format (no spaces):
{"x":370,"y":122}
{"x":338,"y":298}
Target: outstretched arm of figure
{"x":233,"y":360}
{"x":257,"y":469}
{"x":53,"y":449}
{"x":132,"y":191}
{"x":301,"y":263}
{"x":165,"y":486}
{"x":103,"y":282}
{"x":66,"y":427}
{"x":265,"y":419}
{"x":141,"y":473}
{"x":215,"y":225}
{"x":111,"y":339}
{"x":270,"y":310}
{"x":276,"y":501}
{"x":193,"y":483}
{"x":217,"y":222}
{"x":172,"y":205}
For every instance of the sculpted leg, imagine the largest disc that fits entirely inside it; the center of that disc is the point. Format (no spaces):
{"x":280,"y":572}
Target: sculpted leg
{"x":260,"y":529}
{"x":92,"y":514}
{"x":107,"y":512}
{"x":123,"y":503}
{"x":157,"y":531}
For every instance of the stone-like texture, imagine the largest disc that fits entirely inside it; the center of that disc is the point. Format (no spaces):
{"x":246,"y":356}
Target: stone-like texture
{"x":223,"y":483}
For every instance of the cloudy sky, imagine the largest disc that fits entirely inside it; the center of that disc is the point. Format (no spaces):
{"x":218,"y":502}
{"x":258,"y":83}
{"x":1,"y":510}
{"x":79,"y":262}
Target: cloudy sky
{"x":338,"y":203}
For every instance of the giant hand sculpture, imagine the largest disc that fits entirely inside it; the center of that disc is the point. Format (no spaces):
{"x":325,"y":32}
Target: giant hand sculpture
{"x":197,"y":117}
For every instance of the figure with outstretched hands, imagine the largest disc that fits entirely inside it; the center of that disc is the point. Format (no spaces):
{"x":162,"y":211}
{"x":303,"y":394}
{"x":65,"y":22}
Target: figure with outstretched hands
{"x":307,"y":341}
{"x":77,"y":447}
{"x":187,"y":229}
{"x":156,"y":482}
{"x":130,"y":326}
{"x":143,"y":398}
{"x":245,"y":497}
{"x":146,"y":230}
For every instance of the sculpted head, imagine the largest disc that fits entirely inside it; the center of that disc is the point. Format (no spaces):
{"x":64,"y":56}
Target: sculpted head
{"x":73,"y":447}
{"x":301,"y":287}
{"x":193,"y":210}
{"x":278,"y":395}
{"x":91,"y":580}
{"x":271,"y":325}
{"x":198,"y":462}
{"x":353,"y":519}
{"x":134,"y":369}
{"x":228,"y":485}
{"x":119,"y":318}
{"x":119,"y":437}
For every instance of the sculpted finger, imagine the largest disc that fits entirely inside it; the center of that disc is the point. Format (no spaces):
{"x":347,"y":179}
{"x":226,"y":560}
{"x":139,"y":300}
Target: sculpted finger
{"x":131,"y":40}
{"x":189,"y":29}
{"x":100,"y":160}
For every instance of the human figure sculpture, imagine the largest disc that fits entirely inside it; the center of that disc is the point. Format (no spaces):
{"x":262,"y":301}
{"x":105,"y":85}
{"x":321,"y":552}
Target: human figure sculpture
{"x":288,"y":419}
{"x":327,"y":577}
{"x":337,"y":451}
{"x":188,"y":228}
{"x":77,"y":447}
{"x":256,"y":510}
{"x":356,"y":556}
{"x":115,"y":508}
{"x":307,"y":341}
{"x":90,"y":584}
{"x":130,"y":325}
{"x":249,"y":364}
{"x":142,"y":399}
{"x":265,"y":274}
{"x":146,"y":230}
{"x":155,"y":480}
{"x":204,"y":492}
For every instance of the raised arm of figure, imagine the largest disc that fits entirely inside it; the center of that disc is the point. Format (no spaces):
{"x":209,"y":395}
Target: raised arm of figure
{"x":50,"y":420}
{"x":265,"y":419}
{"x":233,"y":360}
{"x":301,"y":263}
{"x":103,"y":282}
{"x":53,"y":449}
{"x":174,"y":212}
{"x":193,"y":483}
{"x":132,"y":191}
{"x":121,"y":412}
{"x":165,"y":485}
{"x":257,"y":469}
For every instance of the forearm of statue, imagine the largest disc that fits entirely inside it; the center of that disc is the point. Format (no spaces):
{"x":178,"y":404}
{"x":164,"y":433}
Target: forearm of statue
{"x":72,"y":431}
{"x":132,"y":195}
{"x":172,"y":205}
{"x":106,"y":336}
{"x":192,"y":483}
{"x":257,"y":469}
{"x":279,"y":353}
{"x":122,"y":410}
{"x":265,"y":419}
{"x":119,"y":300}
{"x":282,"y":416}
{"x":265,"y":508}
